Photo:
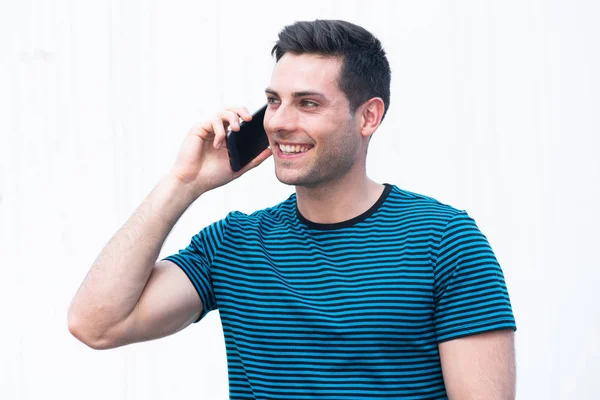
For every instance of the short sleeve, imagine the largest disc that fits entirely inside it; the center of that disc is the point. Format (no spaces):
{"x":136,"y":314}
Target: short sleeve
{"x":470,"y":292}
{"x":196,"y":261}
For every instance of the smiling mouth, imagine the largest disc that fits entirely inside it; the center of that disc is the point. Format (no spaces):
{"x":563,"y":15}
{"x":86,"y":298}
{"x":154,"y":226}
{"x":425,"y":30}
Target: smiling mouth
{"x":291,"y":150}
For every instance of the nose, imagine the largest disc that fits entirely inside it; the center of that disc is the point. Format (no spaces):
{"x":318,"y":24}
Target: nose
{"x":283,"y":118}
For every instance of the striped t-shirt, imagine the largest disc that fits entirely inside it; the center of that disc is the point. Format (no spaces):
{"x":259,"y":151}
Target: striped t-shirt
{"x":350,"y":310}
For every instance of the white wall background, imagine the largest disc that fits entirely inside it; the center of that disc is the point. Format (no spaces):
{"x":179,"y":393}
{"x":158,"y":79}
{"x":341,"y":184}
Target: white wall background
{"x":494,"y":110}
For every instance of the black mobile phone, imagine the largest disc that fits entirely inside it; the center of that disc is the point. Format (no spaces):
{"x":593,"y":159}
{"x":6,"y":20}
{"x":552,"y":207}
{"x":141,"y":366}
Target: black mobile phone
{"x":247,"y":143}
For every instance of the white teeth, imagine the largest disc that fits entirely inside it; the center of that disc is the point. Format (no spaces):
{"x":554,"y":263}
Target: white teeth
{"x":293,"y":149}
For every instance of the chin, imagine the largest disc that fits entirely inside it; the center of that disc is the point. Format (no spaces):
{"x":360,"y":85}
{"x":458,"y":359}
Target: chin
{"x":288,"y":177}
{"x":292,"y":178}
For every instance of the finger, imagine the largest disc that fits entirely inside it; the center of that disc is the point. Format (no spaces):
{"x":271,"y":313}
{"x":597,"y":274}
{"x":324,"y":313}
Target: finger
{"x":204,"y":130}
{"x":242,"y":112}
{"x":219,"y":130}
{"x":256,"y":161}
{"x":232,"y":119}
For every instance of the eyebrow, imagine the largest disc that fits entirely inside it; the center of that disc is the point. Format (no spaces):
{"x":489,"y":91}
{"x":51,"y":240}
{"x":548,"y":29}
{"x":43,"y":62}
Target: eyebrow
{"x":297,"y":94}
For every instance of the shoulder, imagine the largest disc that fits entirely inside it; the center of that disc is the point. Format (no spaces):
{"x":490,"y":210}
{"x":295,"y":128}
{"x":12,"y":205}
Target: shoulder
{"x":456,"y":231}
{"x":277,"y":214}
{"x":419,"y":206}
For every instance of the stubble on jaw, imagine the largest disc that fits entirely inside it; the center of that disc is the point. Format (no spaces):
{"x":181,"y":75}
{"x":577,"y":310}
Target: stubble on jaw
{"x":336,"y":160}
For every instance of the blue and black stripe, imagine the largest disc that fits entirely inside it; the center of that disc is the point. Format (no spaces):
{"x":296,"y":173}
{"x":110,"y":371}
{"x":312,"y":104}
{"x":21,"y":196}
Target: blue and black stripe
{"x":351,"y":310}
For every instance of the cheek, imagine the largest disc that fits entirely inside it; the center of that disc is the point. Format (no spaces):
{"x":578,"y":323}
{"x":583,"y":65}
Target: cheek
{"x":323,"y":129}
{"x":345,"y":142}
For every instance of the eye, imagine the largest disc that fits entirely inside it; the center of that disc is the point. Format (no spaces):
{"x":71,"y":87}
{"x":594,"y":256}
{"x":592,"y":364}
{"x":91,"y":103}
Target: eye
{"x":310,"y":104}
{"x":272,"y":100}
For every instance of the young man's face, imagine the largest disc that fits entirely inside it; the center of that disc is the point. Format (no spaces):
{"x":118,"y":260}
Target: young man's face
{"x":308,"y":111}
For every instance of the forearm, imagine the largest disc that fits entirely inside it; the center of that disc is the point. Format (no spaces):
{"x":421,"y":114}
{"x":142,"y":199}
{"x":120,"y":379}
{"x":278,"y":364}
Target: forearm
{"x":115,"y":282}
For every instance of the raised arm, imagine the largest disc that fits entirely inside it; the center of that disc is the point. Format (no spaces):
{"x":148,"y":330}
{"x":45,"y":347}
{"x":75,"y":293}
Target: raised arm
{"x":126,"y":296}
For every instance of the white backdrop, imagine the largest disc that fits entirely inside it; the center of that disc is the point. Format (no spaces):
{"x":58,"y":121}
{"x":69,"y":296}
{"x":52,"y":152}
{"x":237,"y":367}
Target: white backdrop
{"x":494,"y":110}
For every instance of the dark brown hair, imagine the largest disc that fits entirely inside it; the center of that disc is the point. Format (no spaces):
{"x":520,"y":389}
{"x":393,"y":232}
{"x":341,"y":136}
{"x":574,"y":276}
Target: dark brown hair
{"x":365,"y":70}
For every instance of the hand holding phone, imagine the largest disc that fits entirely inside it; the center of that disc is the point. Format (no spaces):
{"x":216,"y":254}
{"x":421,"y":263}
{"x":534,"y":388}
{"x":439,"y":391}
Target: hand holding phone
{"x":202,"y":163}
{"x":248,"y":142}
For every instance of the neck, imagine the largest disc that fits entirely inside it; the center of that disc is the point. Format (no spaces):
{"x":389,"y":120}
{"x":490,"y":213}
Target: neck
{"x":338,"y":201}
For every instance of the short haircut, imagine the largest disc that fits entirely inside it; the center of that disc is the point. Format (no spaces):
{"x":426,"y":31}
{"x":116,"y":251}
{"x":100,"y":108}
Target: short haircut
{"x":365,"y":71}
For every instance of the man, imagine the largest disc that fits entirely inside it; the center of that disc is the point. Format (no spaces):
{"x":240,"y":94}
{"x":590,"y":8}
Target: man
{"x":349,"y":289}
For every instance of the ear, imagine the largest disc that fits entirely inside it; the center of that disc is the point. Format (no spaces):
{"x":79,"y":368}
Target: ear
{"x":371,"y":115}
